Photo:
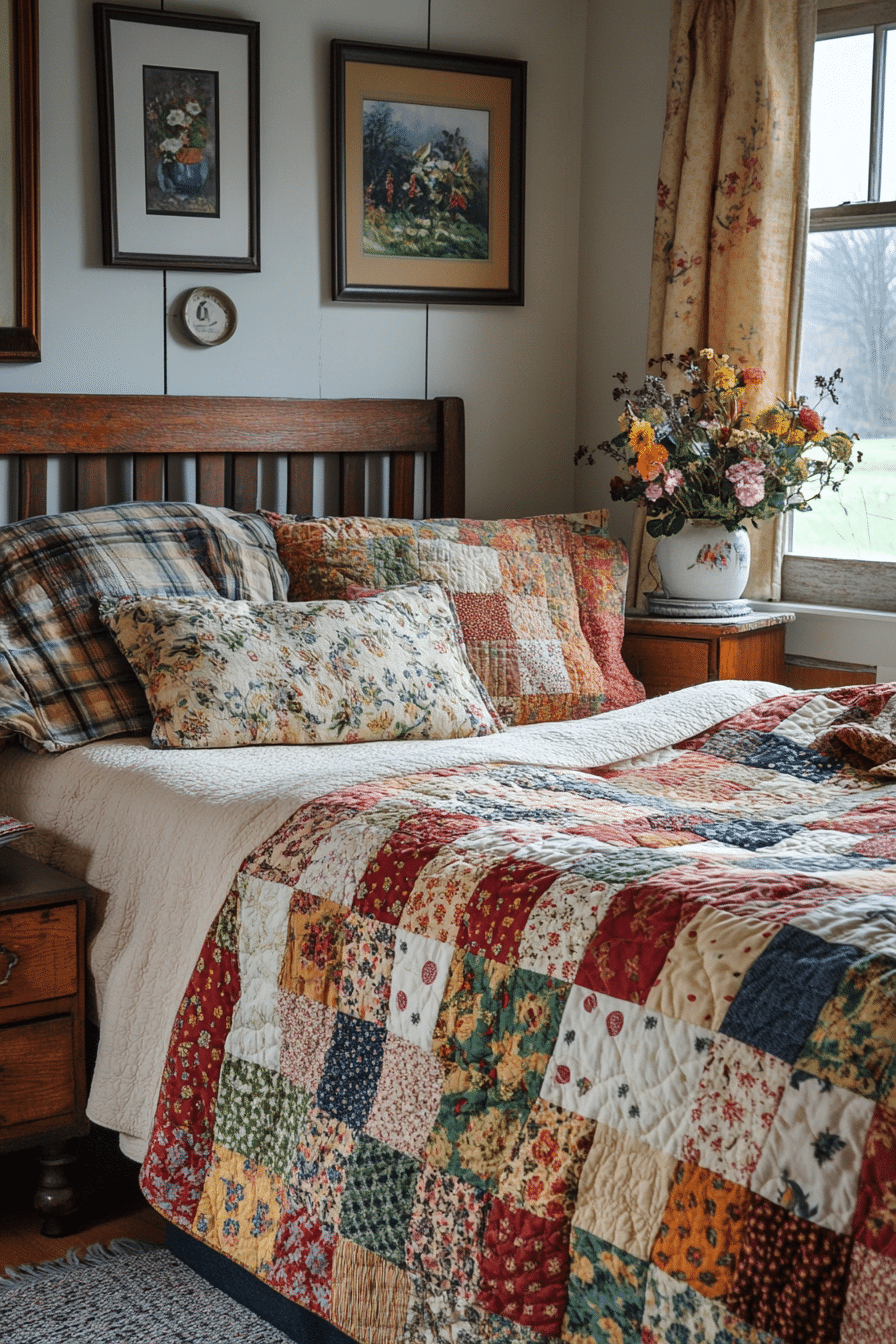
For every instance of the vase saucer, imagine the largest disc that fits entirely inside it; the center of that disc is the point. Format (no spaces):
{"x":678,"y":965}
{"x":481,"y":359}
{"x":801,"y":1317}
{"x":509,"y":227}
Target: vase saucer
{"x":695,"y":609}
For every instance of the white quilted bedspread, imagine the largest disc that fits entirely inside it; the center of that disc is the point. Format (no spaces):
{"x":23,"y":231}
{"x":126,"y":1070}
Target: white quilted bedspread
{"x":162,"y":833}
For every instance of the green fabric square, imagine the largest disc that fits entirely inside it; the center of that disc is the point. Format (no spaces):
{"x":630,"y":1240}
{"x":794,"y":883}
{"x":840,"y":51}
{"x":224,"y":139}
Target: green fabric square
{"x":379,"y":1198}
{"x":852,"y":1041}
{"x":494,"y":1035}
{"x":394,"y":560}
{"x":606,"y":1291}
{"x":259,"y":1114}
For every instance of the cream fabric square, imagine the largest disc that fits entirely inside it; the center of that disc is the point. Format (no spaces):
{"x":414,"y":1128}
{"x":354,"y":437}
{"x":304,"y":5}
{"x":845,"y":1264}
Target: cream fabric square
{"x":706,"y":966}
{"x":804,"y":725}
{"x":562,"y":923}
{"x":530,"y":617}
{"x":419,"y":976}
{"x":463,"y":569}
{"x":812,"y":1158}
{"x":623,"y":1191}
{"x":733,"y":1109}
{"x":255,"y":1029}
{"x":341,"y":858}
{"x":863,"y":921}
{"x":542,"y":667}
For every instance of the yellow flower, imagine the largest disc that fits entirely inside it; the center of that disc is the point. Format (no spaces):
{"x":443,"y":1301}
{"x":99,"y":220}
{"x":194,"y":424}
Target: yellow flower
{"x":795,"y":435}
{"x":640,"y":436}
{"x":800,"y":468}
{"x":773,"y":421}
{"x":724,"y":379}
{"x":708,"y":353}
{"x":841,"y":446}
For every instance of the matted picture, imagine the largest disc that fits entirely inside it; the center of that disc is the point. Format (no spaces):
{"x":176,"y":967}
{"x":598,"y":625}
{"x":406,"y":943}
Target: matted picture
{"x":428,"y":176}
{"x":178,"y":117}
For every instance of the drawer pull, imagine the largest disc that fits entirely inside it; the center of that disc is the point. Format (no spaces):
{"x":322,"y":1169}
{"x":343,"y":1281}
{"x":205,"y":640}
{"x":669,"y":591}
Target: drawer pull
{"x":12,"y":959}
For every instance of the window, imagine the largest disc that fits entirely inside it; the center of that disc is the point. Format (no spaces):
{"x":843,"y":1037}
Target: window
{"x":849,"y":309}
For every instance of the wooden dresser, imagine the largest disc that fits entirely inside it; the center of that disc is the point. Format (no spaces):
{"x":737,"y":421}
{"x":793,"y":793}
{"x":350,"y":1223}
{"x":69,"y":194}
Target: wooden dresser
{"x":42,"y":979}
{"x":667,"y":654}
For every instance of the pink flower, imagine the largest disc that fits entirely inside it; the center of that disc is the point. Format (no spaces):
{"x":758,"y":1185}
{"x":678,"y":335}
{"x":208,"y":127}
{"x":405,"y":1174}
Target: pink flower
{"x":672,"y":480}
{"x":748,"y":479}
{"x":654,"y":491}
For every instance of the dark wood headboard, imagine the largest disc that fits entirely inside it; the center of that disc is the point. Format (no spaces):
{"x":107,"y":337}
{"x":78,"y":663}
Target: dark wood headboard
{"x":227,"y":435}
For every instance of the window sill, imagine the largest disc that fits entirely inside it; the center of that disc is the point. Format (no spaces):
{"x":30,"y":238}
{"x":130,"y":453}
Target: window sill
{"x":840,"y":635}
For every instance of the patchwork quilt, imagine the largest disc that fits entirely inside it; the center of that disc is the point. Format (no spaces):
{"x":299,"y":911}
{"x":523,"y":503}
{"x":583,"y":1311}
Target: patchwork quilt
{"x":500,"y":1053}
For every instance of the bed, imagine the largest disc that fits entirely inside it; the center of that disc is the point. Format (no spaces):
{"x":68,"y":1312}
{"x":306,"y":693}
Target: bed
{"x":564,"y":1016}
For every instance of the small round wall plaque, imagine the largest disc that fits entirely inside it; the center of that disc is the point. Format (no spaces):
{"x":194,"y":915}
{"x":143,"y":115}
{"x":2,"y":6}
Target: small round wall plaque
{"x":209,"y":316}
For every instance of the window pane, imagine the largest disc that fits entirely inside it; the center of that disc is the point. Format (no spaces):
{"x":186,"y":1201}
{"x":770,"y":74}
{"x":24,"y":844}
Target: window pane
{"x":841,"y":120}
{"x":888,"y":158}
{"x":849,"y":322}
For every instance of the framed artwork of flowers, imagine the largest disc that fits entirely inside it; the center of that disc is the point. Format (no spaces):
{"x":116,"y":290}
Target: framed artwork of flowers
{"x":178,"y":118}
{"x":428,"y":169}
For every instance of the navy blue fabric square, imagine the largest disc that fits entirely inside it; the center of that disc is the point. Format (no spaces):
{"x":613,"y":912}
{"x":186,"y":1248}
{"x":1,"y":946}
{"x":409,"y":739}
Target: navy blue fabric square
{"x":785,"y":989}
{"x":380,"y":1185}
{"x":745,"y":834}
{"x":777,"y":753}
{"x":352,"y":1070}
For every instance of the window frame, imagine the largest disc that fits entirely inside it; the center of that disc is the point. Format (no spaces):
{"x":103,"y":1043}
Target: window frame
{"x":822,"y":580}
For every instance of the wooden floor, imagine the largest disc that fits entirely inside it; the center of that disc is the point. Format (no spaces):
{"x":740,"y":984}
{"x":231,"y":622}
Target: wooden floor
{"x":110,"y":1203}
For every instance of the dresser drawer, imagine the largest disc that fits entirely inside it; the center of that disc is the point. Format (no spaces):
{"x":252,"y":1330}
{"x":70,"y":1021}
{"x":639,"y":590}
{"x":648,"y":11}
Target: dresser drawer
{"x":666,"y":664}
{"x":46,"y":944}
{"x":37,"y":1071}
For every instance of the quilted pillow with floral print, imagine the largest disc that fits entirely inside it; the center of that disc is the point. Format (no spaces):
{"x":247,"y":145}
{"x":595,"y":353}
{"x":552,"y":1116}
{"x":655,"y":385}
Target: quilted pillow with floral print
{"x":232,"y":674}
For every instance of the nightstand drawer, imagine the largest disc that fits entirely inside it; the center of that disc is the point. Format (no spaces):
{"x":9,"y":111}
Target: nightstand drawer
{"x":46,"y":944}
{"x":666,"y":664}
{"x":37,"y":1071}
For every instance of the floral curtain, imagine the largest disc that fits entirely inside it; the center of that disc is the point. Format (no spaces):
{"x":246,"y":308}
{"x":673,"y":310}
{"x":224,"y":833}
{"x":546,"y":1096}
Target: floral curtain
{"x":731,"y":221}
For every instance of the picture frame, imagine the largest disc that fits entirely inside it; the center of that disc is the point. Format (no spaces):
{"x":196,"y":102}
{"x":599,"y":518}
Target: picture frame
{"x":20,"y":191}
{"x":178,"y":103}
{"x":428,"y":175}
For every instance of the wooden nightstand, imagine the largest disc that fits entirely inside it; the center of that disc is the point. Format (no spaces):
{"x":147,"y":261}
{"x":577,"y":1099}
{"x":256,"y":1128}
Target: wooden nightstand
{"x":43,"y":1088}
{"x":668,"y":655}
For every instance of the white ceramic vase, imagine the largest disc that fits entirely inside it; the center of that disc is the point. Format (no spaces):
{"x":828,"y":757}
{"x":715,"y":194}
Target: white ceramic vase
{"x":704,"y":562}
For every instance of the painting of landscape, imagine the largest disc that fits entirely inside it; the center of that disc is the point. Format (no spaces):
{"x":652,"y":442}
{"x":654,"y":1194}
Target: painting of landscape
{"x":425,"y":177}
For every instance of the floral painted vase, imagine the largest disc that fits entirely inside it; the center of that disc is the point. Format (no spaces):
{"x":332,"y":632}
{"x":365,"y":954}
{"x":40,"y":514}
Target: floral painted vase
{"x":183,"y":179}
{"x":704,"y":562}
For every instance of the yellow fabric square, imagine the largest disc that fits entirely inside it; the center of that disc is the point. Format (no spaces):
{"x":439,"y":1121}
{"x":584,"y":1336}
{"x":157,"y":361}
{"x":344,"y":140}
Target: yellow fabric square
{"x":239,"y":1209}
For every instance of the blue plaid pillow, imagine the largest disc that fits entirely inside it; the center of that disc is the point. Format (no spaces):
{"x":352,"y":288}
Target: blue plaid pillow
{"x":63,"y":680}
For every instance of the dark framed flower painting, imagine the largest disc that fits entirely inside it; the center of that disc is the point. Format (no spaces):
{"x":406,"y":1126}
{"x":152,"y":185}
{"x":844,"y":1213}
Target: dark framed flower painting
{"x":178,"y":118}
{"x":428,"y":176}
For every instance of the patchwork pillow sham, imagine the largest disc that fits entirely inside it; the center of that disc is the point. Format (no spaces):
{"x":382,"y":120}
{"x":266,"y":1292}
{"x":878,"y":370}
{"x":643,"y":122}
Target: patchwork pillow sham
{"x":540,"y":600}
{"x":63,"y":681}
{"x":232,"y":674}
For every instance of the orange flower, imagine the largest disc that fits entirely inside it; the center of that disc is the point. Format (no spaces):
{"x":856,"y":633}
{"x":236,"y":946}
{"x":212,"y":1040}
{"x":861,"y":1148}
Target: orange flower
{"x":724,"y":379}
{"x":753,"y":377}
{"x":640,"y":436}
{"x":651,"y":461}
{"x":810,"y":420}
{"x":189,"y":155}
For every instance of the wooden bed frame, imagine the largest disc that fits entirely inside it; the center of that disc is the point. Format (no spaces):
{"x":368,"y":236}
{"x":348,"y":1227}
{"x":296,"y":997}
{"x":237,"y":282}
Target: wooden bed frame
{"x":228,"y":436}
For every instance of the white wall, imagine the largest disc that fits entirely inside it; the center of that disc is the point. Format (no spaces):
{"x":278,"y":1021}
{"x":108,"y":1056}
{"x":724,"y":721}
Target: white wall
{"x":625,"y":101}
{"x":110,"y":330}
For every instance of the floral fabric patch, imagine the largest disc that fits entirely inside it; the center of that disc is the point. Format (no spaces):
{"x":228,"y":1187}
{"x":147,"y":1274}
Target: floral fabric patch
{"x":446,"y":1230}
{"x":259,"y":1114}
{"x":234,"y":674}
{"x":543,"y":1174}
{"x":352,"y":1070}
{"x":606,"y":1291}
{"x":734,"y":1106}
{"x":525,"y":1268}
{"x":239,"y":1212}
{"x":875,"y":1215}
{"x":367,"y":956}
{"x":701,"y":1231}
{"x":407,"y":1097}
{"x":869,"y":1315}
{"x":852,"y":1043}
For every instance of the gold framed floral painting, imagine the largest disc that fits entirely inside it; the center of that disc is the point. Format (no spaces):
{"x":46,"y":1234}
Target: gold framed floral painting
{"x":428,"y":176}
{"x":19,"y":196}
{"x":178,"y":117}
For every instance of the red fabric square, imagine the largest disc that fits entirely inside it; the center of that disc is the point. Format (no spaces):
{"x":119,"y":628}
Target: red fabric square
{"x":391,"y":874}
{"x":483,"y":616}
{"x":791,"y":1276}
{"x":525,"y":1267}
{"x":184,"y":1125}
{"x":635,"y":936}
{"x":875,"y":1217}
{"x":497,"y":912}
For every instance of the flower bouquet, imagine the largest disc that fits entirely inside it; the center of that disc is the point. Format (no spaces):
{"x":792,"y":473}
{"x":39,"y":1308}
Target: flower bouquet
{"x":699,"y":453}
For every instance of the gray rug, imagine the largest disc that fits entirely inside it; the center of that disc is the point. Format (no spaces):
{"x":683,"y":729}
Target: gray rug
{"x":127,"y":1293}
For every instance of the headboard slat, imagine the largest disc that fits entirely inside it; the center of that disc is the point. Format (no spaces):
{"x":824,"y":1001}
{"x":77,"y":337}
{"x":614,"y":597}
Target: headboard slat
{"x":211,"y":477}
{"x":351,"y":485}
{"x":245,"y":482}
{"x":149,"y":476}
{"x":32,"y":486}
{"x":401,"y":485}
{"x":300,"y":484}
{"x":90,"y":481}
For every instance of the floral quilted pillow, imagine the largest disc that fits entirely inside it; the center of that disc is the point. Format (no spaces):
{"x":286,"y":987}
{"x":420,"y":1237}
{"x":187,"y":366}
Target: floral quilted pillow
{"x":540,"y":600}
{"x":232,"y":674}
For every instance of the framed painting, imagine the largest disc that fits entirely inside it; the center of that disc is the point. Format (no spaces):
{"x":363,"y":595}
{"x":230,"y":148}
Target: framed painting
{"x":19,"y":184}
{"x":178,"y":120}
{"x":428,"y":176}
